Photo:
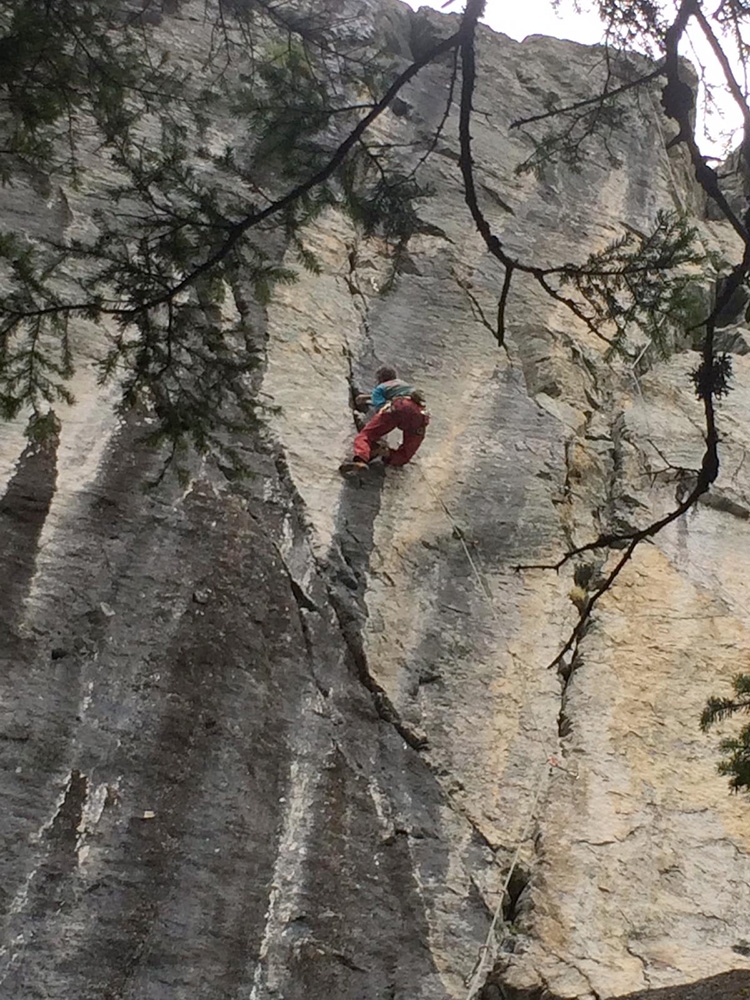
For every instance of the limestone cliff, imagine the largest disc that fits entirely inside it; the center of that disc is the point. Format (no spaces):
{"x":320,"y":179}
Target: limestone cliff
{"x":281,"y":738}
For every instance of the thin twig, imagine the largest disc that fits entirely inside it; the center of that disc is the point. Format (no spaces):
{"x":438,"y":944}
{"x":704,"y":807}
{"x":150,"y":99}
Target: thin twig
{"x":709,"y":469}
{"x":239,"y":228}
{"x":519,"y":122}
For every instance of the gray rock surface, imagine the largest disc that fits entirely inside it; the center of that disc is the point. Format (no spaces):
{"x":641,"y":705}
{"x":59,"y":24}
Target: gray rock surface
{"x":733,"y":340}
{"x":281,"y":739}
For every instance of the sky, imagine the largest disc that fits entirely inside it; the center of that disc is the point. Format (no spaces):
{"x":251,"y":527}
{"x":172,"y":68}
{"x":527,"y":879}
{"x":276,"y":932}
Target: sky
{"x":519,"y":18}
{"x":717,"y":128}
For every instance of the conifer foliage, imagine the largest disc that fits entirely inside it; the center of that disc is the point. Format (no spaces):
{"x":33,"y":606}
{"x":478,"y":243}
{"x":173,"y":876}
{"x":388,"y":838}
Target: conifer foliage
{"x":736,"y":749}
{"x":199,"y":152}
{"x":214,"y":166}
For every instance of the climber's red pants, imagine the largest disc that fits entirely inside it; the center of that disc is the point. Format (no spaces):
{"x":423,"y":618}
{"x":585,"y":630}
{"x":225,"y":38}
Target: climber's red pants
{"x":402,"y":413}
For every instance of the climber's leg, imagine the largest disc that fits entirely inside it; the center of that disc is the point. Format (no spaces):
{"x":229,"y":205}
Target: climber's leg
{"x":412,"y":421}
{"x":407,"y":449}
{"x":381,"y":424}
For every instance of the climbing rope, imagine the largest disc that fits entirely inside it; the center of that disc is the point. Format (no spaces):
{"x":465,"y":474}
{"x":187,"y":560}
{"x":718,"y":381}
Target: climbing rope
{"x":458,"y":533}
{"x":488,"y":950}
{"x":672,"y":176}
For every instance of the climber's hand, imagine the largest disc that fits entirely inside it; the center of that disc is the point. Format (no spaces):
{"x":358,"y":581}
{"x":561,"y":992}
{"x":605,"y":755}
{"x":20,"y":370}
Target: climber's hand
{"x":362,"y":401}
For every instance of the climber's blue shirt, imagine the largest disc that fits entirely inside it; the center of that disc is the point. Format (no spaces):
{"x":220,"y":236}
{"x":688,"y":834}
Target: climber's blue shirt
{"x":389,"y":390}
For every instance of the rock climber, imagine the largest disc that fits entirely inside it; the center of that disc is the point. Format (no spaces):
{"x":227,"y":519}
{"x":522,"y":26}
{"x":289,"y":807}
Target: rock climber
{"x":399,"y":405}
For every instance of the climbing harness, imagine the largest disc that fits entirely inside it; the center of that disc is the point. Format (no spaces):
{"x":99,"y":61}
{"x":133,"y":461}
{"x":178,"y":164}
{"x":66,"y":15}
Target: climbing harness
{"x":488,"y":950}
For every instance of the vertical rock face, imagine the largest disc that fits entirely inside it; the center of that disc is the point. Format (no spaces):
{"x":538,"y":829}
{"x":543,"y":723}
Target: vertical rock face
{"x":283,"y":739}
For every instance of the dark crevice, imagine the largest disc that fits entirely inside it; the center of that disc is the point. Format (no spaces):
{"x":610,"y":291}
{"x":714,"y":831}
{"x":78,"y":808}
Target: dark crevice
{"x":359,"y":415}
{"x":49,"y":890}
{"x":309,"y":650}
{"x":23,"y":512}
{"x":303,"y":601}
{"x":348,"y":962}
{"x":383,"y":705}
{"x":64,"y":828}
{"x":519,"y":880}
{"x":305,"y":604}
{"x":348,"y":621}
{"x":287,"y":482}
{"x":564,"y":725}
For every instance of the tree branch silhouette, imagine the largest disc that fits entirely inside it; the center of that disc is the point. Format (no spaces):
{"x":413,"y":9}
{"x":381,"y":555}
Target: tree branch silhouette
{"x":677,"y":102}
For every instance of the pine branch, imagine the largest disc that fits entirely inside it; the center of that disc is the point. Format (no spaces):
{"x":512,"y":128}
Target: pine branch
{"x":589,"y":101}
{"x":239,"y":228}
{"x":466,"y":164}
{"x":706,"y":387}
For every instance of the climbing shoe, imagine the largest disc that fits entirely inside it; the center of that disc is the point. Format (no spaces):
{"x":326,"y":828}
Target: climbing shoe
{"x":353,"y":468}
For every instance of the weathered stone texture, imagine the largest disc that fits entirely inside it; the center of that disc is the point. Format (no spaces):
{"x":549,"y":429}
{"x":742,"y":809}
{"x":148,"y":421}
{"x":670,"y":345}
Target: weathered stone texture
{"x":280,"y":739}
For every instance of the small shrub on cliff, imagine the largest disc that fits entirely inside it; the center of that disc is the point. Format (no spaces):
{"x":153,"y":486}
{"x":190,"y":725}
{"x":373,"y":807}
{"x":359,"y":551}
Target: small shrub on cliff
{"x":736,"y":750}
